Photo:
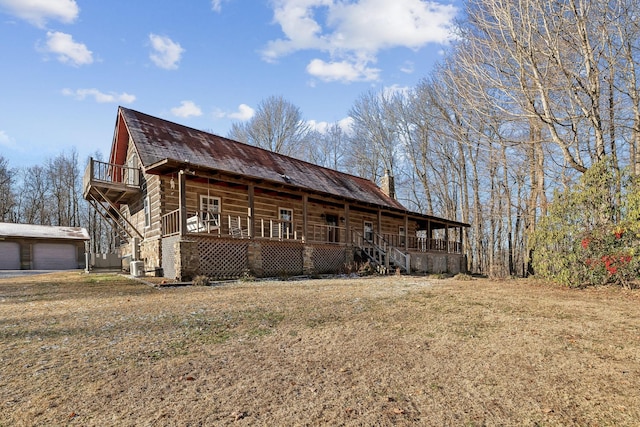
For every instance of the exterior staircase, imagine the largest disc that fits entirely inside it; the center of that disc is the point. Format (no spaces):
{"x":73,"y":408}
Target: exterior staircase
{"x":385,"y":258}
{"x":106,"y":186}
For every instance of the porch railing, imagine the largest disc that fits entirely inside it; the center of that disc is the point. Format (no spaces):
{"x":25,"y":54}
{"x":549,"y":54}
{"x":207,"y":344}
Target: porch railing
{"x":325,"y":233}
{"x":171,"y":223}
{"x":423,"y":244}
{"x":236,"y":226}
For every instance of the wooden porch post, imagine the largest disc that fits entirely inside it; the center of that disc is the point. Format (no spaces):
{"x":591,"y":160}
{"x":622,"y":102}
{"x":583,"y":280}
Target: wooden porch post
{"x":251,"y":218}
{"x":379,"y":222}
{"x":182,"y":203}
{"x":446,"y":236}
{"x":406,"y":232}
{"x":305,"y":222}
{"x":347,"y":226}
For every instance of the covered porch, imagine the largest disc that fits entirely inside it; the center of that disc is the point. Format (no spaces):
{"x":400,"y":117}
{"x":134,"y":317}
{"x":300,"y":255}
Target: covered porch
{"x":219,"y":224}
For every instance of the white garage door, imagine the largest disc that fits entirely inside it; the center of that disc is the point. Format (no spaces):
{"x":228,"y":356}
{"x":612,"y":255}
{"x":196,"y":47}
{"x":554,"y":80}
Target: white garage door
{"x":9,"y":256}
{"x":54,"y":256}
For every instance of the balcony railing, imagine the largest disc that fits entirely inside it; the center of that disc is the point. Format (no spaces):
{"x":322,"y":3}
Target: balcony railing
{"x":110,"y":182}
{"x":112,"y":173}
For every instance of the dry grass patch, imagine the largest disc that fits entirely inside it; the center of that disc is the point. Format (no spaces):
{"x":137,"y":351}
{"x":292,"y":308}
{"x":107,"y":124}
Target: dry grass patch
{"x":105,"y":350}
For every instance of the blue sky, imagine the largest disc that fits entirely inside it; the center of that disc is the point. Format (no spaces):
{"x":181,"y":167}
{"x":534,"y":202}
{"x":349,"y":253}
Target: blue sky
{"x":68,"y":64}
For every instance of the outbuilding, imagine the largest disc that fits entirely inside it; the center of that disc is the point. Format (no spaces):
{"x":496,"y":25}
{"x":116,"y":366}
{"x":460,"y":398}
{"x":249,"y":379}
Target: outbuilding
{"x":41,"y":247}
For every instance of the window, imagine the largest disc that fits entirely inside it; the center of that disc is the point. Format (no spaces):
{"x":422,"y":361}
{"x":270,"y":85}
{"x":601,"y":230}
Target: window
{"x":402,"y":234}
{"x":332,"y":228}
{"x":368,"y":230}
{"x":286,"y":222}
{"x":147,"y":212}
{"x":210,"y":211}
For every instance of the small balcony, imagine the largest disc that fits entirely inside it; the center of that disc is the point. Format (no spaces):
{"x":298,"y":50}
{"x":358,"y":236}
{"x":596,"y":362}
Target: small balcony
{"x":110,"y":182}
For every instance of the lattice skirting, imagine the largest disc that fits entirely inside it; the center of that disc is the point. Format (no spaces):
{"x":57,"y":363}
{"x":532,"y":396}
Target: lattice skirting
{"x":282,"y":258}
{"x":328,"y":259}
{"x":222,"y":258}
{"x":169,"y":256}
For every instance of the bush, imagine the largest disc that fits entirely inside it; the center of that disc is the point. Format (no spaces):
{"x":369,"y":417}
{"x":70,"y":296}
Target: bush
{"x":590,"y":233}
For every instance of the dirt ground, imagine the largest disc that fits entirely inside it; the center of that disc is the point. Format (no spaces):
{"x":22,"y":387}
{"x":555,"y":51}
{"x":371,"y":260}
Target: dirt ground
{"x":98,"y":350}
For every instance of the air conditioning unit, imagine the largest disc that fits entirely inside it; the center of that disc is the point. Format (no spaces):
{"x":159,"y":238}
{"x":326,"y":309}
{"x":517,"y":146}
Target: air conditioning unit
{"x":137,"y":268}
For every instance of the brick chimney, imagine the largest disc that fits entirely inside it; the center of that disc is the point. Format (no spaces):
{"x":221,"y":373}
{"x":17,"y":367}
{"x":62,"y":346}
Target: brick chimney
{"x":387,"y":184}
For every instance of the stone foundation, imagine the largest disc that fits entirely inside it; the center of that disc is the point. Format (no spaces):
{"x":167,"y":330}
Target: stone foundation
{"x":308,"y":266}
{"x":435,"y":262}
{"x":150,"y":253}
{"x":283,"y":258}
{"x":255,"y":259}
{"x":187,"y":260}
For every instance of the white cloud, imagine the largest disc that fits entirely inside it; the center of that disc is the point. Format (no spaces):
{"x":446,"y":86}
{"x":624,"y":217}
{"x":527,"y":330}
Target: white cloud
{"x":354,"y":31}
{"x":344,"y":71}
{"x":186,"y":109}
{"x":166,"y":53}
{"x":244,"y":113}
{"x":6,"y":140}
{"x":100,"y":97}
{"x":296,"y":20}
{"x":372,"y":25}
{"x":346,"y":125}
{"x":38,"y":12}
{"x":320,"y":127}
{"x":395,"y":89}
{"x":323,"y":127}
{"x":67,"y":49}
{"x":408,"y":67}
{"x":216,"y":5}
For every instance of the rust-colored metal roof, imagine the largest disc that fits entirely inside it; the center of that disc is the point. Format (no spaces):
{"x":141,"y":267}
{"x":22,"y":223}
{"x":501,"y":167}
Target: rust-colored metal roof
{"x":159,"y":141}
{"x":8,"y":229}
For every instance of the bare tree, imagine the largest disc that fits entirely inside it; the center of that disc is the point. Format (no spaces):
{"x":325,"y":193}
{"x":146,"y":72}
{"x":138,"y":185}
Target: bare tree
{"x":63,"y":177}
{"x":557,"y":62}
{"x":35,"y":206}
{"x":277,"y":126}
{"x":7,"y":192}
{"x":374,"y":124}
{"x":329,"y":148}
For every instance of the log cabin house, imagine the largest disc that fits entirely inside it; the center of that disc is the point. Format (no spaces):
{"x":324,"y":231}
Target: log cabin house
{"x":187,"y":202}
